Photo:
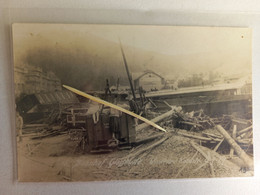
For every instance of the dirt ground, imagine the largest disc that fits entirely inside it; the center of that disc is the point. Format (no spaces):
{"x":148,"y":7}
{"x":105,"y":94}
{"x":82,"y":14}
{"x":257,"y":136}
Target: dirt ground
{"x":55,"y":159}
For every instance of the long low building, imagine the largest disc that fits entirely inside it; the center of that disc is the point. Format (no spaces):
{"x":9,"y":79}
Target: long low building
{"x":39,"y":105}
{"x":214,"y":100}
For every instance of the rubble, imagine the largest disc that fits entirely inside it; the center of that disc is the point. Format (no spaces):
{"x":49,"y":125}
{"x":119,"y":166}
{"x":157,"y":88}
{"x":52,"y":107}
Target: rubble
{"x":248,"y":161}
{"x":193,"y":141}
{"x":193,"y":121}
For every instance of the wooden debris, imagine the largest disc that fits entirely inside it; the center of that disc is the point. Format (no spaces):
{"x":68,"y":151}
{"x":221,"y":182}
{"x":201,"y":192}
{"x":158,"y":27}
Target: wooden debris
{"x":192,"y":125}
{"x":213,"y":135}
{"x":244,"y":130}
{"x":35,"y":125}
{"x":207,"y":157}
{"x":29,"y":149}
{"x":199,"y":150}
{"x":217,"y":146}
{"x":193,"y":121}
{"x":148,"y":139}
{"x":202,"y":165}
{"x":152,"y":102}
{"x":155,"y":120}
{"x":241,"y":153}
{"x":240,"y":121}
{"x":185,"y":165}
{"x":211,"y":165}
{"x":234,"y":133}
{"x":141,"y":150}
{"x":198,"y":137}
{"x":167,"y":104}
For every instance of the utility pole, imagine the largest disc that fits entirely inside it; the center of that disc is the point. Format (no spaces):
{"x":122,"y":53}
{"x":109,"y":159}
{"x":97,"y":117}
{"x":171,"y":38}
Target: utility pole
{"x":127,"y":71}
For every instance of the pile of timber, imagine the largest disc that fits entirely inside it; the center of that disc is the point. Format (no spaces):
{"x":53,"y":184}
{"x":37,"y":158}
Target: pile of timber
{"x":241,"y":130}
{"x":141,"y":151}
{"x":243,"y":137}
{"x":164,"y":117}
{"x":39,"y":131}
{"x":202,"y":137}
{"x":193,"y":121}
{"x":52,"y":131}
{"x":234,"y":142}
{"x":31,"y":129}
{"x":227,"y":121}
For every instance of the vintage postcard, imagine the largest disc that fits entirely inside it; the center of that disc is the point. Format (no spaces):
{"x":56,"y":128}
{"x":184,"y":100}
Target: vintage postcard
{"x":120,"y":102}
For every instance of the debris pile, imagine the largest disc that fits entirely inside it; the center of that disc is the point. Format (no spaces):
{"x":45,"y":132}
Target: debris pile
{"x":241,"y":130}
{"x":172,"y":156}
{"x":39,"y":131}
{"x":193,"y":121}
{"x":195,"y":145}
{"x":229,"y":135}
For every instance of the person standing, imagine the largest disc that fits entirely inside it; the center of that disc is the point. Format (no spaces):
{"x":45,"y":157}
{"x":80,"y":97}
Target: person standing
{"x":19,"y":126}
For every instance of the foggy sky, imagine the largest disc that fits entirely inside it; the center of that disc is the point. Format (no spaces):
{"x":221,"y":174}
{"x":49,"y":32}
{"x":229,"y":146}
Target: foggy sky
{"x":165,"y":49}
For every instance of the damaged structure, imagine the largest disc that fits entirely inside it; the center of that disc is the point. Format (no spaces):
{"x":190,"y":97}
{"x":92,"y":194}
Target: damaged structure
{"x":138,"y":134}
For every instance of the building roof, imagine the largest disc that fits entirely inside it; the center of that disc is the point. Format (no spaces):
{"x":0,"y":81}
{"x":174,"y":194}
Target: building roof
{"x":136,"y":76}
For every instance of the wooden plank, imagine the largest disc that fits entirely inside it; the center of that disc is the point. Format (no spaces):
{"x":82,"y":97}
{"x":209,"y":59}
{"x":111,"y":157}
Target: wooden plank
{"x":207,"y":157}
{"x":240,"y":121}
{"x":211,"y":165}
{"x":213,"y":135}
{"x":217,"y":146}
{"x":145,"y":149}
{"x":148,"y":139}
{"x":185,"y":165}
{"x":241,"y":136}
{"x":35,"y":125}
{"x":245,"y":141}
{"x":202,"y":165}
{"x":152,"y":102}
{"x":244,"y":130}
{"x":191,"y":123}
{"x":166,"y":103}
{"x":199,"y":149}
{"x":234,"y":137}
{"x":197,"y":137}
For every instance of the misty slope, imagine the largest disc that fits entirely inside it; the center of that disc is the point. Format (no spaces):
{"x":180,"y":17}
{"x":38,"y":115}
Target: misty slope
{"x":84,"y":61}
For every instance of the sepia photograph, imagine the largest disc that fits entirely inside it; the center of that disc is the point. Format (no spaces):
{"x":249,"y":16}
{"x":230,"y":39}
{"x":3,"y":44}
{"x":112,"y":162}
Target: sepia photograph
{"x":101,"y":102}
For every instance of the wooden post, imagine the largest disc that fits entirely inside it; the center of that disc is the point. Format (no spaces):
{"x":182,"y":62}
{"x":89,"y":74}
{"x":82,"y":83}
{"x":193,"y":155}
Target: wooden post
{"x":234,"y":133}
{"x":241,"y":153}
{"x":217,"y":146}
{"x":128,"y":73}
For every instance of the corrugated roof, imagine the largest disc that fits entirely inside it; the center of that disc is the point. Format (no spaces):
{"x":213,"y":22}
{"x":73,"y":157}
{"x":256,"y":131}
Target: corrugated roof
{"x":64,"y":97}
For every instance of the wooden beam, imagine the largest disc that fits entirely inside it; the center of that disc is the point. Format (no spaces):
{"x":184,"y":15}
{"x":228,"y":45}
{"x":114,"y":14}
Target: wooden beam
{"x":197,"y":137}
{"x":241,"y":153}
{"x":234,"y":133}
{"x":217,"y":146}
{"x":155,"y":120}
{"x":186,"y":165}
{"x":199,"y":149}
{"x":244,"y":130}
{"x":135,"y":154}
{"x":211,"y":164}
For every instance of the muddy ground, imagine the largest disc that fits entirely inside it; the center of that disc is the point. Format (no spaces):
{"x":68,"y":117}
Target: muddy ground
{"x":57,"y":159}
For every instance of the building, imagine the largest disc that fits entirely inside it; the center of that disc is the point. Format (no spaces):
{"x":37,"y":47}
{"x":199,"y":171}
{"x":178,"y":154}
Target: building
{"x":149,"y":81}
{"x":30,"y":79}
